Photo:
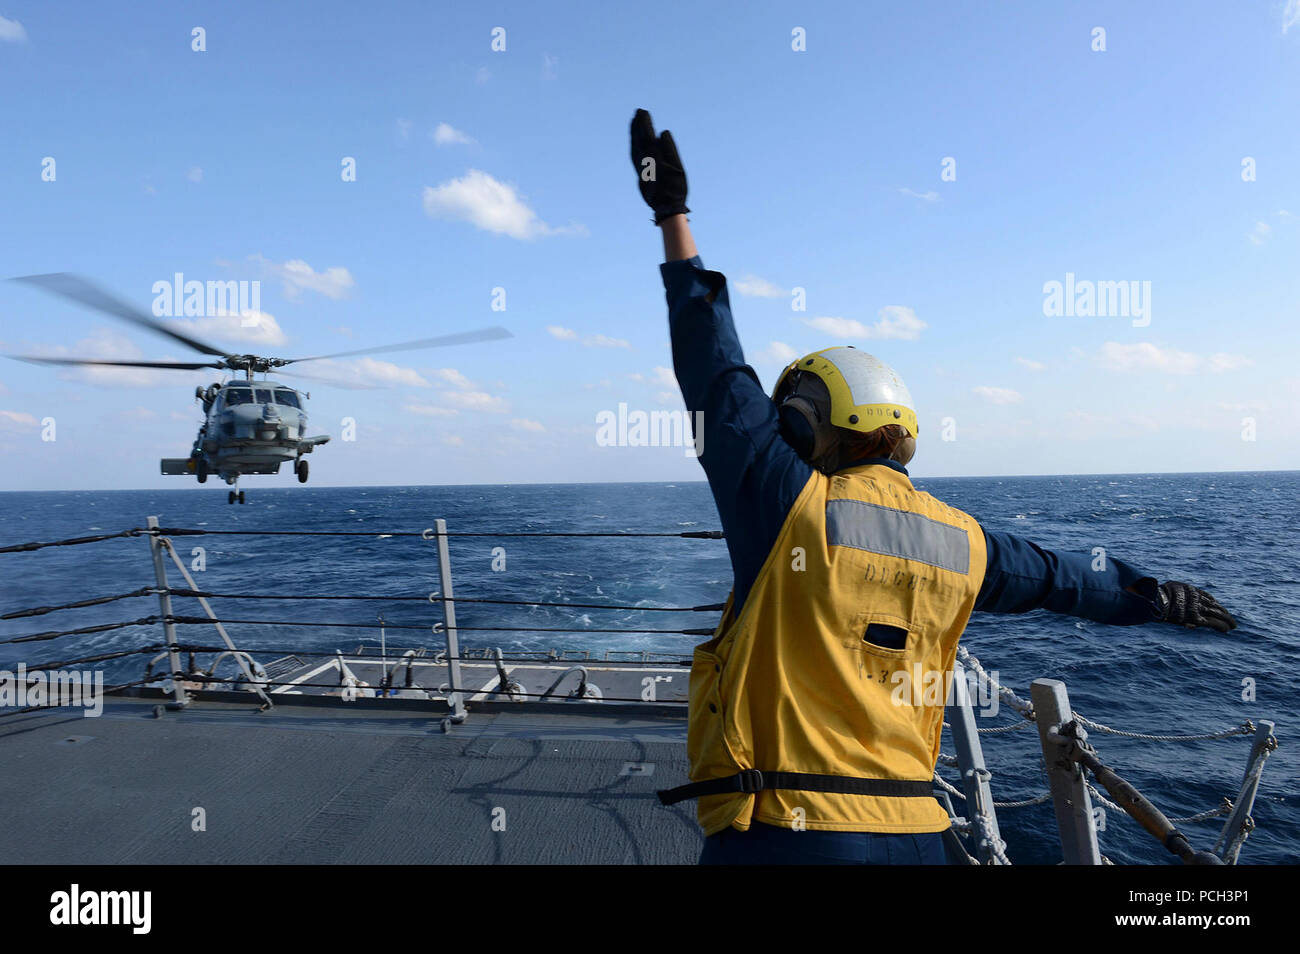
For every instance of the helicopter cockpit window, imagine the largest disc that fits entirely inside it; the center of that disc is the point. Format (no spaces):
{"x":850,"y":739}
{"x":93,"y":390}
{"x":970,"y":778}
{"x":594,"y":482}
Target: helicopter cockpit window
{"x":287,"y":398}
{"x":234,"y":396}
{"x":264,"y":396}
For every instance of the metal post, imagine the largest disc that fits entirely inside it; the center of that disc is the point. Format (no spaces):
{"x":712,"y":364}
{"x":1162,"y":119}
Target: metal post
{"x":970,"y":760}
{"x":455,"y":698}
{"x":1069,"y":792}
{"x":1228,"y":843}
{"x":167,"y":545}
{"x":179,"y":696}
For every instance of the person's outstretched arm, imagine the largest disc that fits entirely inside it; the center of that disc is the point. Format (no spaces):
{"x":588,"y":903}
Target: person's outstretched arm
{"x":755,"y":476}
{"x":1024,"y":576}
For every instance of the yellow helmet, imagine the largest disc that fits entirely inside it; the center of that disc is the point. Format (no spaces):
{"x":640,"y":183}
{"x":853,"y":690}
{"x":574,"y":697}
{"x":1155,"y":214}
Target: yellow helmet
{"x":840,"y":387}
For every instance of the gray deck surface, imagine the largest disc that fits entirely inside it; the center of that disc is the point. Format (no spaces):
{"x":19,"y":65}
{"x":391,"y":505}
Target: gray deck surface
{"x":343,"y":783}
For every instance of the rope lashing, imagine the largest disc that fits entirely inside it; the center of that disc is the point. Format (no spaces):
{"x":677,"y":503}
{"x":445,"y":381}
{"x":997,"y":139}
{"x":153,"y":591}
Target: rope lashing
{"x":1073,"y":738}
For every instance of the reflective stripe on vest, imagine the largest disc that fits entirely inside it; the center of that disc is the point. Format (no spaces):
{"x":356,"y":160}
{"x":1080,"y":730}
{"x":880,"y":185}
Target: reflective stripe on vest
{"x":900,"y":533}
{"x":794,"y":687}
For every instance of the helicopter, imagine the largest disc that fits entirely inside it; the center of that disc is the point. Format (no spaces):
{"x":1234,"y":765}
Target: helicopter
{"x":250,"y":425}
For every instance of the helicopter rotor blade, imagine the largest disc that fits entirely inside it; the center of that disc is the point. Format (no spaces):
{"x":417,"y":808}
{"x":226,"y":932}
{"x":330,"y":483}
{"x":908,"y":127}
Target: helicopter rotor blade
{"x":333,"y":382}
{"x":86,"y":293}
{"x":173,"y":365}
{"x":494,"y":333}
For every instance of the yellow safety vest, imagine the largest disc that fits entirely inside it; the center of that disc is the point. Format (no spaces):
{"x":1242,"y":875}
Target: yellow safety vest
{"x":793,"y":685}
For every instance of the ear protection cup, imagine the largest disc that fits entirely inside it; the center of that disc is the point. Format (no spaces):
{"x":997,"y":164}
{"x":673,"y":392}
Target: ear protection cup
{"x":905,"y":449}
{"x":798,"y":426}
{"x":805,"y":418}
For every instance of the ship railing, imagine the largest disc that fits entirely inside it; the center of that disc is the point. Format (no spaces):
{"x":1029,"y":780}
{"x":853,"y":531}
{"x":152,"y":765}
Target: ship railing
{"x":1068,"y":760}
{"x":256,"y":678}
{"x":1068,"y":757}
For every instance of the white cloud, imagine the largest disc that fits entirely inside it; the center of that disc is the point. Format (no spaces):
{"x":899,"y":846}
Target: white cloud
{"x":361,"y":373}
{"x":109,"y":345}
{"x":1290,"y":15}
{"x":1260,"y":234}
{"x":475,"y":401}
{"x":923,"y":196}
{"x":893,"y":321}
{"x":997,"y":395}
{"x":297,"y":275}
{"x":453,"y":377}
{"x":250,"y":327}
{"x":564,"y":334}
{"x":524,"y":424}
{"x":430,"y":410}
{"x":604,"y":341}
{"x":1221,"y":361}
{"x":549,"y":66}
{"x":1031,"y":364}
{"x":12,"y":31}
{"x":1145,"y":356}
{"x":448,"y":135}
{"x":195,"y":174}
{"x":664,"y":377}
{"x":754,"y":287}
{"x":778,"y":352}
{"x":404,"y":128}
{"x":17,"y":420}
{"x":489,"y":205}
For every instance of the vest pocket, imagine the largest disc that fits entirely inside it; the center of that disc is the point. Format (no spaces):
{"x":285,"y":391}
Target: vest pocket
{"x":882,"y":634}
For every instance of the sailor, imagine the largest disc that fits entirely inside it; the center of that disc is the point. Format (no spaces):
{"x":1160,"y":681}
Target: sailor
{"x":801,"y":748}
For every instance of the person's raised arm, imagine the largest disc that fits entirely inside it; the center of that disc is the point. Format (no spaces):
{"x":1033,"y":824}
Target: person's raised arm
{"x":679,"y":244}
{"x":754,"y":474}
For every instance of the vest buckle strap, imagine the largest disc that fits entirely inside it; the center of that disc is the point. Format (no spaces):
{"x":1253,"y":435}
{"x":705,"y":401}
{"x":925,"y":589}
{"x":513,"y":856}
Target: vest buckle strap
{"x":751,"y":781}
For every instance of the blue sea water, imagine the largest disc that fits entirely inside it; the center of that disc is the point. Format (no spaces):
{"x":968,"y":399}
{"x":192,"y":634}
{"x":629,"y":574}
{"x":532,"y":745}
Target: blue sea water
{"x":1234,"y":534}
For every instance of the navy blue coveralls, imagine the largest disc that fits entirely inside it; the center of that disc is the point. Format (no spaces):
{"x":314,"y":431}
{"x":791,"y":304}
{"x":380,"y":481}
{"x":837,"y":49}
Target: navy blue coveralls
{"x":755,"y":477}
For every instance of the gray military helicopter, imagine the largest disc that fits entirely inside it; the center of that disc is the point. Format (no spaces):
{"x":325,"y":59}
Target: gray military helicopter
{"x":250,"y":426}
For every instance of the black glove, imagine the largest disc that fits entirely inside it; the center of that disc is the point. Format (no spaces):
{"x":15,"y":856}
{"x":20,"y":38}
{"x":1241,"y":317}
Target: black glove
{"x":1187,"y":606}
{"x":662,"y":179}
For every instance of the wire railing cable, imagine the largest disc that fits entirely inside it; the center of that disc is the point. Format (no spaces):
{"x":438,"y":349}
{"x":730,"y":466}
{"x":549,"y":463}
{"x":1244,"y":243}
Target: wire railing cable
{"x":96,"y":601}
{"x":72,"y":542}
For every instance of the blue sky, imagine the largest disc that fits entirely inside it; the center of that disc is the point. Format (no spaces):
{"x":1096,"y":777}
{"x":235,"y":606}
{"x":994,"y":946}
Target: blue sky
{"x":818,"y":169}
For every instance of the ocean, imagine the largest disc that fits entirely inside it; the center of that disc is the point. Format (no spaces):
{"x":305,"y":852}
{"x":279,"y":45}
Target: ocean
{"x":1233,"y":534}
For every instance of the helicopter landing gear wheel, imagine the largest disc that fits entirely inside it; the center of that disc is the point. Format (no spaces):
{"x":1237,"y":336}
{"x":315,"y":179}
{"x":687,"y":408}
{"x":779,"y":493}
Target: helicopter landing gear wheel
{"x":231,"y":497}
{"x":241,"y":496}
{"x":301,"y":469}
{"x":201,"y":471}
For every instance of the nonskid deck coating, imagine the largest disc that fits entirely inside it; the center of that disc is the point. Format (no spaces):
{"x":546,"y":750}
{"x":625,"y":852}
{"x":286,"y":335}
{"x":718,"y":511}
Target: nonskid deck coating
{"x":326,"y":783}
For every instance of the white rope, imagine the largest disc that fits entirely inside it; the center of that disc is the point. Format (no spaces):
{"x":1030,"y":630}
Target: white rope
{"x":954,"y":791}
{"x":1026,"y":709}
{"x":1246,"y":728}
{"x":1206,"y":815}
